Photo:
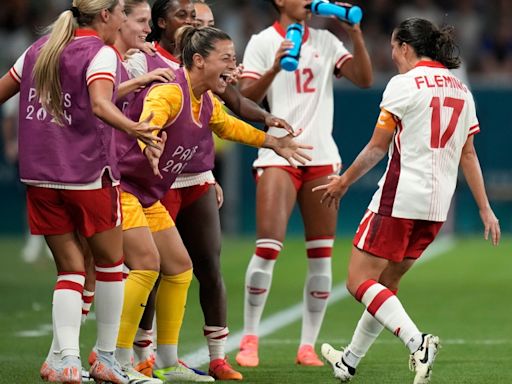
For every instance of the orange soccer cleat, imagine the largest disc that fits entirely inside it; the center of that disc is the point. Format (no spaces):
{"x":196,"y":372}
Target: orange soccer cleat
{"x":248,"y":355}
{"x":308,"y":357}
{"x":220,"y":369}
{"x":145,"y":367}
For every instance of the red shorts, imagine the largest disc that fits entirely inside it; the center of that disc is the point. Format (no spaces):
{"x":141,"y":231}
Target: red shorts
{"x":177,"y":199}
{"x":61,"y":211}
{"x":301,"y":175}
{"x":394,"y":239}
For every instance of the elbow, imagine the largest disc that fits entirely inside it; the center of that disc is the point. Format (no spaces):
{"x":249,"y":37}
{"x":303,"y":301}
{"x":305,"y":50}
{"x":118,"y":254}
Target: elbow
{"x":365,"y":80}
{"x":97,"y":109}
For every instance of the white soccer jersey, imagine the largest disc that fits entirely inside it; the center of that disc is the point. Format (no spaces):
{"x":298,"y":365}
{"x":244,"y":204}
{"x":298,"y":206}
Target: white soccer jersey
{"x":436,"y":114}
{"x":304,"y":97}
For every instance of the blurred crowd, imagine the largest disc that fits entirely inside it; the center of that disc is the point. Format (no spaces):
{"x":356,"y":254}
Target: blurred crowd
{"x":483,"y":27}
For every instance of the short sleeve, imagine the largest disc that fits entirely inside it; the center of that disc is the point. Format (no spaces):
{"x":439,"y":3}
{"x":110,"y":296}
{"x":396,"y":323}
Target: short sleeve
{"x":103,"y":66}
{"x":254,"y":58}
{"x":340,"y":53}
{"x":474,"y":125}
{"x":396,"y":96}
{"x":17,"y":69}
{"x":137,"y":65}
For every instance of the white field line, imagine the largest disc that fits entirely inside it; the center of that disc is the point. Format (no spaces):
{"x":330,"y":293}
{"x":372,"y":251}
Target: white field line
{"x":483,"y":342}
{"x":294,"y":313}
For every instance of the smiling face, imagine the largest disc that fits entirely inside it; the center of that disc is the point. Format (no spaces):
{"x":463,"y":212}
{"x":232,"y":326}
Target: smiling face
{"x":180,"y":13}
{"x":218,"y":65}
{"x":114,"y":19}
{"x":136,"y":28}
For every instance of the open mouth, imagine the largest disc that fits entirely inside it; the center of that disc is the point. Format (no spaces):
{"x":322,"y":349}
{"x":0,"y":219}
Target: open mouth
{"x":224,"y":78}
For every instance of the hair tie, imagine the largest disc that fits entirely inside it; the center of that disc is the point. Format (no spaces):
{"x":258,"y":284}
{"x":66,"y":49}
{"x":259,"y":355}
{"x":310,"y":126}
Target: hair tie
{"x":75,"y":11}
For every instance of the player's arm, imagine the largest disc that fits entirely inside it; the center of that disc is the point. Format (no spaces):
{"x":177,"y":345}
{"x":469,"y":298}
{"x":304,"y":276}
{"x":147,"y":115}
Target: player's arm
{"x":162,"y":75}
{"x":230,"y":128}
{"x":370,"y":156}
{"x":473,"y":174}
{"x":256,"y":88}
{"x":358,"y":69}
{"x":8,"y":87}
{"x":249,"y":110}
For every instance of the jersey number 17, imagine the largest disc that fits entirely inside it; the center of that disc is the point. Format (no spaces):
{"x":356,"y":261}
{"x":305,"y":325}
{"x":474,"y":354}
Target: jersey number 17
{"x":436,"y":140}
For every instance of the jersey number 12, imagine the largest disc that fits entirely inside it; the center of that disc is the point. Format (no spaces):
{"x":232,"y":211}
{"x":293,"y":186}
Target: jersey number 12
{"x":436,"y":140}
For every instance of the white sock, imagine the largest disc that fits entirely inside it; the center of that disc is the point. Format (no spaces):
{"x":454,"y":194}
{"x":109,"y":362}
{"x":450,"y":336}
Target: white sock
{"x":166,"y":355}
{"x":87,"y":299}
{"x":216,"y":338}
{"x":258,"y":279}
{"x":387,"y":309}
{"x":317,"y":288}
{"x":124,"y":356}
{"x":67,"y":312}
{"x":109,"y":303}
{"x":367,"y":330}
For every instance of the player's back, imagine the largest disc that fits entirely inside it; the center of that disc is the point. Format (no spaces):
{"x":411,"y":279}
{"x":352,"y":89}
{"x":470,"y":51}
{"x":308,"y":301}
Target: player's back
{"x":436,"y":114}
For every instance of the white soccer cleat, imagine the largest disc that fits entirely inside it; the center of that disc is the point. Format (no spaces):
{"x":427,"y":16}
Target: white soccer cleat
{"x":422,"y":360}
{"x":341,"y":370}
{"x":180,"y":373}
{"x":136,"y":377}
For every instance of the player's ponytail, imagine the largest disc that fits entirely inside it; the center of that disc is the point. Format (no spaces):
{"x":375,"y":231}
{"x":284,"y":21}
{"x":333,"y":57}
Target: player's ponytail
{"x":429,"y":41}
{"x":191,"y":40}
{"x":46,"y":69}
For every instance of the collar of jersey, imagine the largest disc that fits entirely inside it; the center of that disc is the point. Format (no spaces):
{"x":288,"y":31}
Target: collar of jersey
{"x":429,"y":63}
{"x":279,"y":28}
{"x":161,"y":50}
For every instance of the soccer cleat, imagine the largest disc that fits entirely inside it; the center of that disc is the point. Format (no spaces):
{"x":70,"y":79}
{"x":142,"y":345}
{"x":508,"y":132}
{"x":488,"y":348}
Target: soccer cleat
{"x":198,"y":371}
{"x":136,"y":377}
{"x":180,"y":373}
{"x":307,"y":356}
{"x":107,"y":369}
{"x":92,"y":356}
{"x":68,"y":370}
{"x":86,"y":376}
{"x":422,"y":360}
{"x":145,"y":367}
{"x":341,"y":370}
{"x":220,"y":369}
{"x":248,"y":355}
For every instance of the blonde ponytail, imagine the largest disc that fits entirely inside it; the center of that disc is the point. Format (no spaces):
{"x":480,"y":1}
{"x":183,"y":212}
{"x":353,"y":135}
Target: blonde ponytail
{"x":46,"y":69}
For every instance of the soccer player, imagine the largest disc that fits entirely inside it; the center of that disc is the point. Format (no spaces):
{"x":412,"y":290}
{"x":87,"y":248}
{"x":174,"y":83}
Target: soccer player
{"x":67,"y":81}
{"x":204,"y":14}
{"x":195,"y":194}
{"x":426,"y":124}
{"x":184,"y":109}
{"x":305,"y":99}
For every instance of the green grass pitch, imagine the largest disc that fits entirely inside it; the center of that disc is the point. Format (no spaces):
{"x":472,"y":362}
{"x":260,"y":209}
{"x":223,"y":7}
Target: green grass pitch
{"x":462,"y":295}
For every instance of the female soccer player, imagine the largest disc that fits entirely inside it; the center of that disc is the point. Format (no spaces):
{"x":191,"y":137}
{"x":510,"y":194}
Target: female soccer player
{"x":196,"y":193}
{"x":305,"y":99}
{"x":426,"y":124}
{"x":67,"y":81}
{"x":184,"y":109}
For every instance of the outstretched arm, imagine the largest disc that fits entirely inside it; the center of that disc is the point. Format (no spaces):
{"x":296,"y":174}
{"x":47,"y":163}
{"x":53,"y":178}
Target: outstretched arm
{"x":249,"y":110}
{"x":473,"y":174}
{"x":371,"y":154}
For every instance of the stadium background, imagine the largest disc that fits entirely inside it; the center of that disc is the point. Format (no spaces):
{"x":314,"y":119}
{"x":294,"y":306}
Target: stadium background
{"x":460,"y":295}
{"x":485,"y":38}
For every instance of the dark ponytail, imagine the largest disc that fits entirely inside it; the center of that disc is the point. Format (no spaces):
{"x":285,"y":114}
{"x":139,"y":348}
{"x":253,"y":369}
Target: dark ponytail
{"x":191,"y":40}
{"x":430,"y":41}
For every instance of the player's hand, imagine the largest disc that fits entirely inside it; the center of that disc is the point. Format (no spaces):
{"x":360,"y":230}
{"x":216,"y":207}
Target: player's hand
{"x":334,"y":191}
{"x":272,"y":121}
{"x":162,"y":75}
{"x":143,"y":131}
{"x":154,"y":153}
{"x":289,"y":149}
{"x":220,"y":195}
{"x":235,"y":75}
{"x":491,"y":225}
{"x":285,"y":46}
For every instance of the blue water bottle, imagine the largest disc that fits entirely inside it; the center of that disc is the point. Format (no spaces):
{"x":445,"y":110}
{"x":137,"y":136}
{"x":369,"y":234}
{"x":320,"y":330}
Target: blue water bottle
{"x":290,"y":61}
{"x":350,"y":14}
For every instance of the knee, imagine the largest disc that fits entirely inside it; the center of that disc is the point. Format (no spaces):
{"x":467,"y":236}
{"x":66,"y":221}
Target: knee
{"x":145,"y":260}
